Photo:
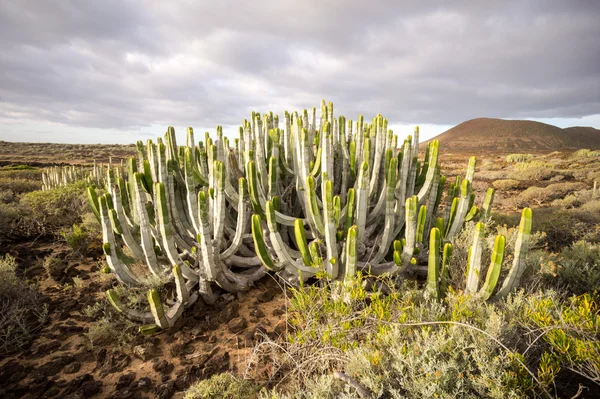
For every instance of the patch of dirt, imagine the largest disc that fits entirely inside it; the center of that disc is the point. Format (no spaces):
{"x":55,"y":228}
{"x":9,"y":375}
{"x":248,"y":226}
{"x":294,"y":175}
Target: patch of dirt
{"x":61,"y":362}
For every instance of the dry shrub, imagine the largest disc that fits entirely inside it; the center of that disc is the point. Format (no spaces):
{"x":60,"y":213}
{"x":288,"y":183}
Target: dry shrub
{"x":507,"y":184}
{"x":542,"y":195}
{"x":22,"y":308}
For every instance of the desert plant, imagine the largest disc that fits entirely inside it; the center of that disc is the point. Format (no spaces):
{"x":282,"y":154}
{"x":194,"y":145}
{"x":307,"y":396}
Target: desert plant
{"x":514,"y":158}
{"x":327,"y":198}
{"x":22,"y":308}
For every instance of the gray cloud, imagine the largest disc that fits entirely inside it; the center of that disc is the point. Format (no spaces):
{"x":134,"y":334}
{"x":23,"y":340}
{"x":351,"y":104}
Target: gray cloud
{"x":131,"y":64}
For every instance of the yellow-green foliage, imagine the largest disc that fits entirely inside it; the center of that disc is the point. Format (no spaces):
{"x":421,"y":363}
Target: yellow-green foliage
{"x":585,"y":153}
{"x":513,"y":158}
{"x":507,"y":184}
{"x":48,"y":211}
{"x":571,"y":330}
{"x":400,"y":344}
{"x":225,"y":386}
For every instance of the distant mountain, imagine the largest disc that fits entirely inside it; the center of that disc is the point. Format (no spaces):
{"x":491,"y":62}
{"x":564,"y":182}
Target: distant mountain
{"x":500,"y":135}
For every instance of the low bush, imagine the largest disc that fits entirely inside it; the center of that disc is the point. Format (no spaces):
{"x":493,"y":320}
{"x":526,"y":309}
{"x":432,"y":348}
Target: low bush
{"x":543,"y":195}
{"x":225,"y":385}
{"x":47,"y":212}
{"x":514,"y":158}
{"x":85,"y":238}
{"x":575,"y":268}
{"x":22,"y":308}
{"x":507,"y":184}
{"x":403,"y":345}
{"x":18,"y":186}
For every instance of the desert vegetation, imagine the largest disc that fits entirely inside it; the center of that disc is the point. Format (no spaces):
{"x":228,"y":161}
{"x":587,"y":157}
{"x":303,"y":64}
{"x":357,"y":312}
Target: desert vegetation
{"x":311,"y":256}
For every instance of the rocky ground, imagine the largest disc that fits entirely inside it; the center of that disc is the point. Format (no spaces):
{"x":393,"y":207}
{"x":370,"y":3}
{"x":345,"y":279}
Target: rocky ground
{"x":62,"y":363}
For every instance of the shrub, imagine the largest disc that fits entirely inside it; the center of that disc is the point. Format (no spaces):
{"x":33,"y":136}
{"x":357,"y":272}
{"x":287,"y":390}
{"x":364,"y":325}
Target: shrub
{"x":507,"y":184}
{"x":49,"y":211}
{"x":18,"y":186}
{"x":406,"y":346}
{"x":575,"y":268}
{"x":22,"y":308}
{"x":586,"y":153}
{"x":541,"y":195}
{"x":225,"y":385}
{"x":533,"y":170}
{"x":109,"y":327}
{"x":514,"y":158}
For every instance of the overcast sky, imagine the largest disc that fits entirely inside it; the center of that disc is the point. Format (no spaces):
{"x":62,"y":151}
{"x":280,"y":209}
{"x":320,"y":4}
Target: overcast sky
{"x":108,"y":71}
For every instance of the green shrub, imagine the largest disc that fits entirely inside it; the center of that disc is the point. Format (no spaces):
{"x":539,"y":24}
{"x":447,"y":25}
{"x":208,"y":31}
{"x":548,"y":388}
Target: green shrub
{"x":22,"y":308}
{"x":586,"y":153}
{"x":49,"y":211}
{"x":403,"y":345}
{"x":225,"y":385}
{"x":18,"y":186}
{"x":575,"y":268}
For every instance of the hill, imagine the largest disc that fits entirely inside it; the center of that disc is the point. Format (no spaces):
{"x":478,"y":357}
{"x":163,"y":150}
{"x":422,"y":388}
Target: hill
{"x":500,"y":135}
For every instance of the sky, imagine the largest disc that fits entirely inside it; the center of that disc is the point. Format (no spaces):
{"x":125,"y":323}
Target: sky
{"x":113,"y":71}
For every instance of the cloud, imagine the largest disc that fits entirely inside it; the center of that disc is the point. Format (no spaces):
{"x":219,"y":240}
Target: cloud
{"x":129,"y":65}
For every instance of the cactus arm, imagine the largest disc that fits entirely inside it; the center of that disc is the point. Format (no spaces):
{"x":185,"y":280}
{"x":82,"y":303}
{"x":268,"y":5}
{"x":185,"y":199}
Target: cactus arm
{"x":132,"y":314}
{"x":495,"y":268}
{"x":242,"y":220}
{"x":109,"y":247}
{"x":145,"y":227}
{"x":330,"y":227}
{"x":260,"y":246}
{"x":93,"y":200}
{"x":471,"y":169}
{"x":434,"y":263}
{"x":474,"y":267}
{"x":445,"y":272}
{"x":388,"y":229}
{"x":219,"y":205}
{"x":411,"y":230}
{"x":461,"y":211}
{"x":300,"y":234}
{"x":421,"y":219}
{"x":190,"y":188}
{"x":362,"y":200}
{"x":127,"y":233}
{"x":430,"y":180}
{"x":351,"y":260}
{"x":486,"y":209}
{"x":521,"y":247}
{"x":204,"y":239}
{"x":379,"y":150}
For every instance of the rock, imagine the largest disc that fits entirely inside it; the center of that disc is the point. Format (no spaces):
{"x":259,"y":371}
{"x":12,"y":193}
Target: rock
{"x":145,"y":351}
{"x":256,"y":312}
{"x":237,"y":324}
{"x":266,"y":296}
{"x":125,"y":380}
{"x":83,"y":386}
{"x":165,"y":391}
{"x":278,"y":311}
{"x":72,"y":368}
{"x":125,"y":393}
{"x":181,"y":383}
{"x":144,"y":383}
{"x":55,"y":365}
{"x":216,"y":364}
{"x":164,"y":368}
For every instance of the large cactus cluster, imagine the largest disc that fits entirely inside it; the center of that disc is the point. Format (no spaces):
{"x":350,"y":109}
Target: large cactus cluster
{"x":57,"y":176}
{"x":299,"y":197}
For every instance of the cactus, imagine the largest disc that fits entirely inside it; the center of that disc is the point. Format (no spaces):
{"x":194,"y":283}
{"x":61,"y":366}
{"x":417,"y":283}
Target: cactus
{"x":437,"y":280}
{"x":316,"y":195}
